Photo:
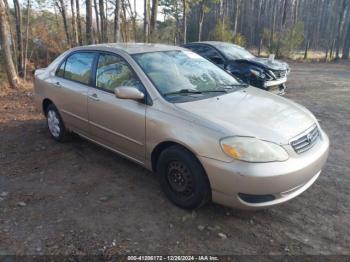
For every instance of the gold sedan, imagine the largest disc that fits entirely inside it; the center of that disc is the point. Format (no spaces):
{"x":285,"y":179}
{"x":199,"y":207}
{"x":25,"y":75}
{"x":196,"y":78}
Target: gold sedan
{"x":207,"y":135}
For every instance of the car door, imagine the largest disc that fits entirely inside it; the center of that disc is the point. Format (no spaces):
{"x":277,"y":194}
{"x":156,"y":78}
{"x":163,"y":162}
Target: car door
{"x":117,"y":123}
{"x":71,"y":83}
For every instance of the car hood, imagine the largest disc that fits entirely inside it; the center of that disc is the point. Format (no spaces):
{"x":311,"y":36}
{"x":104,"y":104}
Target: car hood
{"x":265,"y":63}
{"x":252,"y":112}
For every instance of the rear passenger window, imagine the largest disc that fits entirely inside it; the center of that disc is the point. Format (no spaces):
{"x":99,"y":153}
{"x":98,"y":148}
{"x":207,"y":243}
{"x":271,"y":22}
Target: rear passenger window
{"x":78,"y":67}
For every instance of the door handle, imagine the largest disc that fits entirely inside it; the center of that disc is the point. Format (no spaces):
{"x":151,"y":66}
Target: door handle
{"x":58,"y":84}
{"x":94,"y":97}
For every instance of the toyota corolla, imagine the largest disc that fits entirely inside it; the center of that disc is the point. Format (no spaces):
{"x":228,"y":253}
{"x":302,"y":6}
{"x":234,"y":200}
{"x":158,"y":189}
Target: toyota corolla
{"x":205,"y":134}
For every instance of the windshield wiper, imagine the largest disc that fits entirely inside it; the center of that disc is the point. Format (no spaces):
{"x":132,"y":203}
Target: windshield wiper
{"x":215,"y":91}
{"x":235,"y":85}
{"x":183,"y":91}
{"x":193,"y":91}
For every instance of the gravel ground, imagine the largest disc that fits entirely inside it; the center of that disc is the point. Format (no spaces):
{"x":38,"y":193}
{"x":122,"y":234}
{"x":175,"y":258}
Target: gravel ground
{"x":77,"y":198}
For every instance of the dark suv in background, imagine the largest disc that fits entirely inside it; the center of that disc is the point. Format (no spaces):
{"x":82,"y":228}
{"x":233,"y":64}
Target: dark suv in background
{"x":265,"y":73}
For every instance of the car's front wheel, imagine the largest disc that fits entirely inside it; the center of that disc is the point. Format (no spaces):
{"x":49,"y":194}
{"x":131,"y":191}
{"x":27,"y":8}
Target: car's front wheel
{"x":183,"y":178}
{"x":55,"y":124}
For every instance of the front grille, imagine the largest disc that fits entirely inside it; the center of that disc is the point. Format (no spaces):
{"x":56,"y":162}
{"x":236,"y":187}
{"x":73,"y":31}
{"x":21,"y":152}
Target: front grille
{"x":280,"y":73}
{"x":305,"y":142}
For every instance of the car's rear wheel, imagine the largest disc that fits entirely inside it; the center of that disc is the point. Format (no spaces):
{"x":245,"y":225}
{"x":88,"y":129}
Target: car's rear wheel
{"x":55,"y":124}
{"x":183,"y":178}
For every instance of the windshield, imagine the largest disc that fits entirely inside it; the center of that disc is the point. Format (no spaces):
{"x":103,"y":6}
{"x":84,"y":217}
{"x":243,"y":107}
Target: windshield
{"x":234,"y":52}
{"x":184,"y":73}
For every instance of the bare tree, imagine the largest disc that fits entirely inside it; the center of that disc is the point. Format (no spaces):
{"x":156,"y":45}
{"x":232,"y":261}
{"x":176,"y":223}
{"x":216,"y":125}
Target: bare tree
{"x":201,"y":19}
{"x":75,"y":39}
{"x":88,"y":22}
{"x":146,"y":15}
{"x":153,"y":21}
{"x":26,"y":41}
{"x":342,"y":13}
{"x":20,"y":53}
{"x":5,"y":47}
{"x":346,"y":47}
{"x":184,"y":21}
{"x":273,"y":25}
{"x":103,"y":22}
{"x":237,"y":13}
{"x":97,"y":17}
{"x":62,"y":9}
{"x":117,"y":21}
{"x":79,"y":32}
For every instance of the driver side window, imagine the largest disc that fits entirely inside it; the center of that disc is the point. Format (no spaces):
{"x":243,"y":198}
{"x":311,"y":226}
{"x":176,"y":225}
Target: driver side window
{"x":112,"y":71}
{"x":210,"y":54}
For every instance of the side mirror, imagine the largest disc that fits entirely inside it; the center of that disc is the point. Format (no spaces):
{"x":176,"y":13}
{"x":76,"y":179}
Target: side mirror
{"x":128,"y":92}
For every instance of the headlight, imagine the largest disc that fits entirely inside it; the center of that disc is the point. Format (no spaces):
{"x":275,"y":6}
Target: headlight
{"x":251,"y":149}
{"x":257,"y":73}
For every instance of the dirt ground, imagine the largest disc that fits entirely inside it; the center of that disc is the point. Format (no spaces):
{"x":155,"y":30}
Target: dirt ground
{"x":78,"y":198}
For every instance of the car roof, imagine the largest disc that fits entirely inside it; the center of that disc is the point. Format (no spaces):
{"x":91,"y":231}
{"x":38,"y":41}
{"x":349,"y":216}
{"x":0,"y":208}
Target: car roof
{"x":212,"y":43}
{"x":130,"y":48}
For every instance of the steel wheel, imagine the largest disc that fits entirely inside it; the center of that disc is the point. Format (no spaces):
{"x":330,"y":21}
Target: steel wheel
{"x":180,"y":179}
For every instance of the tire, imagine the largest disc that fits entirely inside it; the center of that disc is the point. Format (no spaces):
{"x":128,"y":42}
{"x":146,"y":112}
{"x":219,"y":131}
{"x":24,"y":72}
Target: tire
{"x":183,"y":178}
{"x":55,"y":124}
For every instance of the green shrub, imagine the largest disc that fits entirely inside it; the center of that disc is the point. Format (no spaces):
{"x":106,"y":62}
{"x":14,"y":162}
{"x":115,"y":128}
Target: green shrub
{"x":285,"y":41}
{"x":222,"y":32}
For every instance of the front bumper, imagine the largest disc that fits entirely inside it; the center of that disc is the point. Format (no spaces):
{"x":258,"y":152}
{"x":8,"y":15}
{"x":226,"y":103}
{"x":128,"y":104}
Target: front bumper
{"x":275,"y":82}
{"x":282,"y":180}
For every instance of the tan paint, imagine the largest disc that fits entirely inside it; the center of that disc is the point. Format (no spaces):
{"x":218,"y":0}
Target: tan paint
{"x":133,"y":128}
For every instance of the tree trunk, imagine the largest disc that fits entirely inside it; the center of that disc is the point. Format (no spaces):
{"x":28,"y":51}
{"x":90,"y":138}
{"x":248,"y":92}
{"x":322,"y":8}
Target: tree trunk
{"x":75,"y":39}
{"x":117,"y":21}
{"x":146,"y":20}
{"x":26,"y":41}
{"x":97,"y":16}
{"x":295,"y":12}
{"x":346,"y":47}
{"x":237,"y":11}
{"x":273,"y":26}
{"x":153,"y":21}
{"x":184,"y":21}
{"x":18,"y":16}
{"x":133,"y":16}
{"x":258,"y":24}
{"x":88,"y":22}
{"x":80,"y":34}
{"x":339,"y":29}
{"x":221,"y":15}
{"x":103,"y":21}
{"x":332,"y":49}
{"x":125,"y":24}
{"x":6,"y":49}
{"x":12,"y":34}
{"x":200,"y":22}
{"x":134,"y":21}
{"x":306,"y":49}
{"x":285,"y":9}
{"x":260,"y":45}
{"x":62,"y":8}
